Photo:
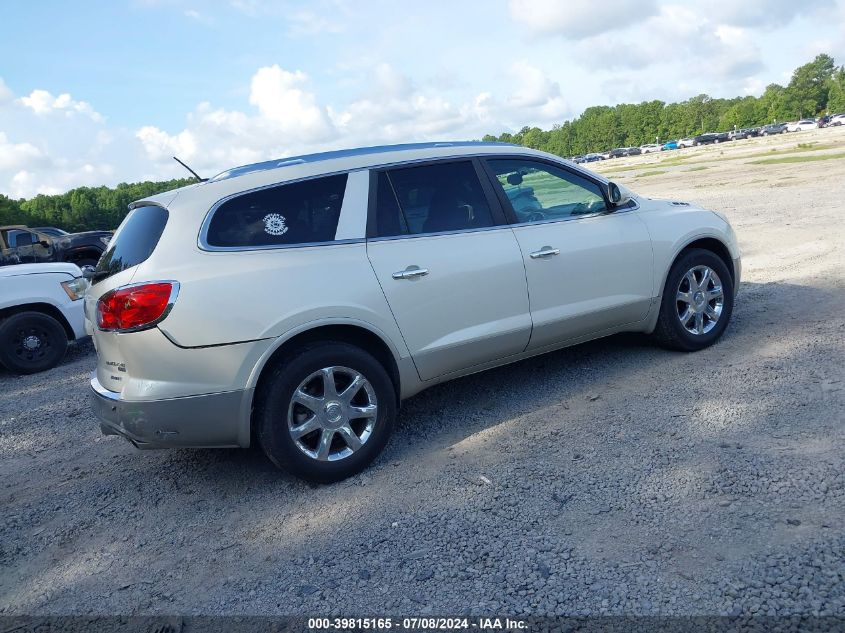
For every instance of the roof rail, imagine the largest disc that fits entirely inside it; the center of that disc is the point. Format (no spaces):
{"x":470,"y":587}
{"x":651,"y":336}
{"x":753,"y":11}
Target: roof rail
{"x":342,"y":153}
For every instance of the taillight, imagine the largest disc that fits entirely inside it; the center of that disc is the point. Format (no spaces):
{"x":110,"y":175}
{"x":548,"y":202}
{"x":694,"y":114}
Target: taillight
{"x":136,"y":307}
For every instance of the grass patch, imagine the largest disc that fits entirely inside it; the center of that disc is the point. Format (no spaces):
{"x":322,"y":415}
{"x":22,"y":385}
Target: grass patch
{"x":699,"y":168}
{"x":796,"y":159}
{"x":654,"y":172}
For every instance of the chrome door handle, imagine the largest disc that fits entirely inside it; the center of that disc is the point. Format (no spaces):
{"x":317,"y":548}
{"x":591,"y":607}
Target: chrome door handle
{"x":411,"y":272}
{"x":546,"y":251}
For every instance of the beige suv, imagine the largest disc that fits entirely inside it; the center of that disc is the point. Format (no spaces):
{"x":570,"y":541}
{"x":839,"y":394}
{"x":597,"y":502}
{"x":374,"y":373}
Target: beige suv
{"x":297,"y":302}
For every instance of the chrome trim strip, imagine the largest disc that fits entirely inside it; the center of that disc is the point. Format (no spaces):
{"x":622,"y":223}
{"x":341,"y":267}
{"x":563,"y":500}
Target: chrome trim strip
{"x":202,"y":238}
{"x":276,"y":247}
{"x":102,"y":391}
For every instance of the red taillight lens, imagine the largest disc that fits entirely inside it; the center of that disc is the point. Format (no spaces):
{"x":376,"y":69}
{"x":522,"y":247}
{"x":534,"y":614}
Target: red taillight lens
{"x":135,"y":307}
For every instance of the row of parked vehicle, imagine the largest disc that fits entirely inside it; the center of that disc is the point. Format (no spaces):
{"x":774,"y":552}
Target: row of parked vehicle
{"x":832,"y":120}
{"x":41,"y":290}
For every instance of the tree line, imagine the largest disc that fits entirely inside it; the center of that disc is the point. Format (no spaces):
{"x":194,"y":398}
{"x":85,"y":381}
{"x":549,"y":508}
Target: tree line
{"x":83,"y":208}
{"x":816,"y":87}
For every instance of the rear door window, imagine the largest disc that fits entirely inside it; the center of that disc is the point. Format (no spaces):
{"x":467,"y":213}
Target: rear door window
{"x":133,"y":242}
{"x":305,"y":212}
{"x":431,"y":199}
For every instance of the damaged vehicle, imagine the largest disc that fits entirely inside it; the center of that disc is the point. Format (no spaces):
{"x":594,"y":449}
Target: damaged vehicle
{"x":296,"y":303}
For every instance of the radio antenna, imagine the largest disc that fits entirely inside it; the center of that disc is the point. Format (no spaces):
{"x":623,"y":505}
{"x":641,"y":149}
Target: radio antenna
{"x":196,"y":175}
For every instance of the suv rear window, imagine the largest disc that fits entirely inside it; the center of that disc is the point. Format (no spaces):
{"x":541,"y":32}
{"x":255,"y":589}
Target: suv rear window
{"x":133,"y":242}
{"x":298,"y":213}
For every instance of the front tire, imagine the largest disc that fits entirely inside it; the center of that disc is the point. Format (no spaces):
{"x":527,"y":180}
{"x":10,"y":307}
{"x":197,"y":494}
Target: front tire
{"x":31,"y":342}
{"x":326,"y":412}
{"x":697,"y":302}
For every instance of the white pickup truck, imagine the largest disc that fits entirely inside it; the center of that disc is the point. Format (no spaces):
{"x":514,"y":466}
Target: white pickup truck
{"x":41,"y":310}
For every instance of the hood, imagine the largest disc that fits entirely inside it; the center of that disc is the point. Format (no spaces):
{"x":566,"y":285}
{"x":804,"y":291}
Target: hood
{"x":16,"y":270}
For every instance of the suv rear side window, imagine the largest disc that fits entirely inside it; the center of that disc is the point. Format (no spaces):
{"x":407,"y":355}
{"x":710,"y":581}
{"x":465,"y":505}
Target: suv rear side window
{"x":133,"y":242}
{"x":297,"y":213}
{"x":431,"y":199}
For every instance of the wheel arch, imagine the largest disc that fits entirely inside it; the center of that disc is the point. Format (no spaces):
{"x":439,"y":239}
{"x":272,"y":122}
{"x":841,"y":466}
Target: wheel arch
{"x":708,"y":243}
{"x":43,"y":308}
{"x":354,"y":333}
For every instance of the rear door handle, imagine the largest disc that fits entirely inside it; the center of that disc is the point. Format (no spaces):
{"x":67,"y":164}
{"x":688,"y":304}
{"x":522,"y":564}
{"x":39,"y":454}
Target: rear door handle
{"x":546,"y":251}
{"x":411,"y":272}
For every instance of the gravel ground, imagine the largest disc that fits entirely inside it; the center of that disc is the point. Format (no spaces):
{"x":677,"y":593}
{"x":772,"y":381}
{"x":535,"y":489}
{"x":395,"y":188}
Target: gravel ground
{"x":613,"y":477}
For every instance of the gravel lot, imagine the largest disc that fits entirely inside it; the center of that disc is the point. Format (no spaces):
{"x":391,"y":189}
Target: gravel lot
{"x":613,"y":477}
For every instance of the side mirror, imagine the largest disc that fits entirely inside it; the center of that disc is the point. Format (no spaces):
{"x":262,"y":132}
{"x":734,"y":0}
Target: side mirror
{"x":44,"y":243}
{"x":615,"y":195}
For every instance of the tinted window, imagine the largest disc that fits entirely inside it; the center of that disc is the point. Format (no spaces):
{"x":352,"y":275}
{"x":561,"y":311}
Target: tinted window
{"x":133,"y":242}
{"x":389,"y":217}
{"x":432,"y":199}
{"x":21,"y":238}
{"x":539,"y":191}
{"x":298,"y":213}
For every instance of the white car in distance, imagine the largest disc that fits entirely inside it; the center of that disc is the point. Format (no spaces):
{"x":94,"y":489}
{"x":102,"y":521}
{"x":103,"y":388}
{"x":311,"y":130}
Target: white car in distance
{"x":802,"y":125}
{"x":649,"y":148}
{"x":41,"y":311}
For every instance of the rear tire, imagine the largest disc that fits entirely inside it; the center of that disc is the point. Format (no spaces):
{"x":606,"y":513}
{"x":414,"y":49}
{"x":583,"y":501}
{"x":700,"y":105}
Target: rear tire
{"x":697,"y":302}
{"x":31,"y":342}
{"x":308,"y":390}
{"x":84,"y":263}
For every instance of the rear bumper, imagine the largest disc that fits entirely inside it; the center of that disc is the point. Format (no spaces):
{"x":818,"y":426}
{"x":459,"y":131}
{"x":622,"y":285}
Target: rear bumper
{"x":210,"y":420}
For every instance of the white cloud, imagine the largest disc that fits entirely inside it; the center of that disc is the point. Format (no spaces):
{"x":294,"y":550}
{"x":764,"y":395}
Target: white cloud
{"x":195,"y":15}
{"x":763,"y":13}
{"x":15,"y":156}
{"x":280,"y":96}
{"x":5,"y":91}
{"x":577,"y":19}
{"x":43,"y":102}
{"x":312,"y":23}
{"x":678,"y":37}
{"x":290,"y":119}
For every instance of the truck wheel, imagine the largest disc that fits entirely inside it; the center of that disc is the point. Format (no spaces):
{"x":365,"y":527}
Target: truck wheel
{"x":86,"y":263}
{"x":31,"y":342}
{"x":326,"y":412}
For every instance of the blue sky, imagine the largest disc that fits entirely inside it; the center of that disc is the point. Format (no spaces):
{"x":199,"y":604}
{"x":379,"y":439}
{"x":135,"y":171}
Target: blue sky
{"x":100,"y":92}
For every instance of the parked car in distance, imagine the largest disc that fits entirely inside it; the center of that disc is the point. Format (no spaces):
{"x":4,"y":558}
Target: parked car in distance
{"x":20,"y":244}
{"x":773,"y":128}
{"x":802,"y":125}
{"x":669,"y":145}
{"x":649,"y":148}
{"x":836,"y":120}
{"x":355,"y":279}
{"x":711,"y":137}
{"x":687,"y":141}
{"x":742,"y":133}
{"x":41,"y":310}
{"x":592,"y":158}
{"x":632,"y":151}
{"x":618,"y":152}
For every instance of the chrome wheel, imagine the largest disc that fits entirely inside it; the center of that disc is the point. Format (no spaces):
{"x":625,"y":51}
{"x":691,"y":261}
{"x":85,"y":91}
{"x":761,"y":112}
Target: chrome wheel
{"x":700,"y":300}
{"x":332,"y":413}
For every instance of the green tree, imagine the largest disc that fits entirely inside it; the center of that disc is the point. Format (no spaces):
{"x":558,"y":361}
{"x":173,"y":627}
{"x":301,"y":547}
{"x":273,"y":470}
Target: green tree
{"x":807,"y":92}
{"x":836,"y":91}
